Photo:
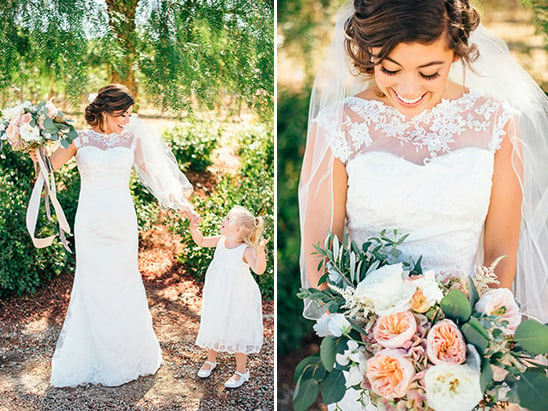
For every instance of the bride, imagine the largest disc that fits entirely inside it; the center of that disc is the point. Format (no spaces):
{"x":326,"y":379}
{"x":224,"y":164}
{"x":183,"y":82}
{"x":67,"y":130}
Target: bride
{"x":420,"y":121}
{"x":107,"y":337}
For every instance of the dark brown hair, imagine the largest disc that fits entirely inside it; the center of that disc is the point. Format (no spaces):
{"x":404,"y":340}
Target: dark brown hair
{"x":387,"y":23}
{"x":113,"y":99}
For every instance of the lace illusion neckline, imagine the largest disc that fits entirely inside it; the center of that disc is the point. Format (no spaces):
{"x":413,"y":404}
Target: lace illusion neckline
{"x":465,"y":98}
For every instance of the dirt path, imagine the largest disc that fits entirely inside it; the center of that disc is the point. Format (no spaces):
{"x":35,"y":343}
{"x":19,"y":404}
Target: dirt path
{"x":30,"y":325}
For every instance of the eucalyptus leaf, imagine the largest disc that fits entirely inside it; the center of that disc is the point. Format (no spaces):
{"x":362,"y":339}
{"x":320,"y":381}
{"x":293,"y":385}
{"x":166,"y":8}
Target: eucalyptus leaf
{"x":486,"y":374}
{"x":533,"y":336}
{"x":456,"y":306}
{"x":476,"y":334}
{"x":474,"y":295}
{"x":64,"y":143}
{"x":306,"y":392}
{"x":328,"y":351}
{"x":532,"y":389}
{"x":313,"y":360}
{"x":333,"y":387}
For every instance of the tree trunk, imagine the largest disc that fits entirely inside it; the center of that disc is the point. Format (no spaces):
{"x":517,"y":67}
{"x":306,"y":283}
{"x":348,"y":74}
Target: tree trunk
{"x":122,"y":21}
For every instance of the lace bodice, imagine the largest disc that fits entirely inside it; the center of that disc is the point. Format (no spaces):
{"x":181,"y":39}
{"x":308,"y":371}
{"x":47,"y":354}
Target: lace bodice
{"x":428,"y":176}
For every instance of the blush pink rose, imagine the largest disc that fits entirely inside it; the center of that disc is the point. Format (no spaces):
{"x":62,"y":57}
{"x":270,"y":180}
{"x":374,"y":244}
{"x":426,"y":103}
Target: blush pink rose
{"x":445,"y":343}
{"x":390,"y":374}
{"x":501,"y":302}
{"x":26,"y":118}
{"x":394,"y":330}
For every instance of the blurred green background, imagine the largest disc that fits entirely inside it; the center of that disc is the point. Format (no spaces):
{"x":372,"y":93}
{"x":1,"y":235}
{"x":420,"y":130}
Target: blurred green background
{"x":303,"y":32}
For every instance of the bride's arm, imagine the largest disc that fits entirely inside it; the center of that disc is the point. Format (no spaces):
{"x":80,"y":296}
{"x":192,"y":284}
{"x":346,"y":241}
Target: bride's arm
{"x":62,"y":155}
{"x":502,"y":224}
{"x":324,"y":207}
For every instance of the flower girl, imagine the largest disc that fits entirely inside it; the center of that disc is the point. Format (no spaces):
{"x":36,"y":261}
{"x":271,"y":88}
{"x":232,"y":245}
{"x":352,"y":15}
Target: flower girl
{"x":231,"y":318}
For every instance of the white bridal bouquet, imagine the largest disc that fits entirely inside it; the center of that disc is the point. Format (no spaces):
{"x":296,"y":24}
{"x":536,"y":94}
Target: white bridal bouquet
{"x":405,"y":339}
{"x":26,"y":128}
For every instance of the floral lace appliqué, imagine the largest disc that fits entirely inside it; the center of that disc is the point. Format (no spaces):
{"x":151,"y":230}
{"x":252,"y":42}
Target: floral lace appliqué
{"x":434,"y":131}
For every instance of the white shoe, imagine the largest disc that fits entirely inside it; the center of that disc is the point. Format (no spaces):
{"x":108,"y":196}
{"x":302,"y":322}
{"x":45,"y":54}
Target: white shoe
{"x":235,"y":383}
{"x":204,"y":373}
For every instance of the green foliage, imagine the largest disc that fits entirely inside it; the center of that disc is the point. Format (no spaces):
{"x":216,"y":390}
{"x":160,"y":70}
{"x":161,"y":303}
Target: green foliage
{"x":177,"y":51}
{"x":291,"y":137}
{"x":193,"y":145}
{"x":540,"y":11}
{"x":251,"y":187}
{"x":24,"y":268}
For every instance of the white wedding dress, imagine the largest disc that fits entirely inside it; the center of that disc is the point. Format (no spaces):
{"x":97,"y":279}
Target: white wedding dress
{"x":428,"y":176}
{"x":107,"y":337}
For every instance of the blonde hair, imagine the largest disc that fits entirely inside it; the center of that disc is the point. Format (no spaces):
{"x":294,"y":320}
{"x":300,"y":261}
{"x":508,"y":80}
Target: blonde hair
{"x":252,"y":226}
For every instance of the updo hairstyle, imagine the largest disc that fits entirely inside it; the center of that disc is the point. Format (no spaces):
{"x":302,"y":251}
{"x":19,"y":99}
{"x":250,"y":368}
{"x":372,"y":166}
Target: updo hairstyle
{"x":113,"y":99}
{"x":387,"y":23}
{"x":252,"y":226}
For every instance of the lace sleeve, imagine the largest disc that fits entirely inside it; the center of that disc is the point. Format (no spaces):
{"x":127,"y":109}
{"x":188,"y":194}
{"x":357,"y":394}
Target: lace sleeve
{"x":505,"y":123}
{"x":157,"y":167}
{"x":328,"y":124}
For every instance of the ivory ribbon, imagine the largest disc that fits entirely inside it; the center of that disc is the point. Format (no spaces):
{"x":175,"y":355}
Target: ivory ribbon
{"x":34,"y":204}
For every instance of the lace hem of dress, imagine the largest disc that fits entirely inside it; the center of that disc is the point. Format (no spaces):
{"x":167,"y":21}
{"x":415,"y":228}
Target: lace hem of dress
{"x":230,"y":348}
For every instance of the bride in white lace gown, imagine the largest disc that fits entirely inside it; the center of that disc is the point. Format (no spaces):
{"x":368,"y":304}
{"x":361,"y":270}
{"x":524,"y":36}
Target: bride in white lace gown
{"x":413,"y":150}
{"x":107,"y":337}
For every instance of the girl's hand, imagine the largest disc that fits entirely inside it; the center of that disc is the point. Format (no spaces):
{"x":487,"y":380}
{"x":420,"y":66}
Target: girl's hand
{"x":263,"y":242}
{"x":195,"y":220}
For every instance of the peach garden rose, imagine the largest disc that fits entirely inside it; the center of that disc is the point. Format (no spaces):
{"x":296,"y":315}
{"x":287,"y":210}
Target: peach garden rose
{"x":445,"y":343}
{"x":394,"y":330}
{"x":390,"y":373}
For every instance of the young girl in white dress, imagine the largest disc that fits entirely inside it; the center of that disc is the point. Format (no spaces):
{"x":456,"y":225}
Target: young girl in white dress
{"x":231,"y":318}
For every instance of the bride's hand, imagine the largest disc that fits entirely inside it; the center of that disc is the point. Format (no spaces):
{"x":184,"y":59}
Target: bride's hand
{"x":33,"y":156}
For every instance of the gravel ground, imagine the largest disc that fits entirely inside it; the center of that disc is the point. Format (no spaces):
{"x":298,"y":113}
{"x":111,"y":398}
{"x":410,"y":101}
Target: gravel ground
{"x":30,"y":325}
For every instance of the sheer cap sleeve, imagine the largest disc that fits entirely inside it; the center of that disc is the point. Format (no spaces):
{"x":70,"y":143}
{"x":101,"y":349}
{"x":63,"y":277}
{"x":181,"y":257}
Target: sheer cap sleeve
{"x":157,"y":167}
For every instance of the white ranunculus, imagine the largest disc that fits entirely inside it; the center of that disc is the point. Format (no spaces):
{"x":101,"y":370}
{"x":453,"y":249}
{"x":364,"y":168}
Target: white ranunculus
{"x":332,"y":324}
{"x":338,"y":325}
{"x":452,"y":387}
{"x":29,"y":133}
{"x":321,"y":326}
{"x":383,"y":289}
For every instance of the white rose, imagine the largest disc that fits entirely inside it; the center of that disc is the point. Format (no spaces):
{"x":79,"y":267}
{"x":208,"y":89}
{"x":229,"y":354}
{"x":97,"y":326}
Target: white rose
{"x":332,"y":324}
{"x":383,"y":288}
{"x":29,"y":133}
{"x":429,"y":286}
{"x":452,"y":387}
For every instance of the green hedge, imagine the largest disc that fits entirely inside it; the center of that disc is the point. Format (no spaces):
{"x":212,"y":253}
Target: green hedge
{"x":24,"y":268}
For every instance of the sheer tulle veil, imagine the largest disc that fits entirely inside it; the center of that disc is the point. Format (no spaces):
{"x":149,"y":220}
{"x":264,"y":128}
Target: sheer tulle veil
{"x":495,"y":72}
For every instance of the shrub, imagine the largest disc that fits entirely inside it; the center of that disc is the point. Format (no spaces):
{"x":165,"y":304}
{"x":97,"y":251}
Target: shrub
{"x":24,"y":268}
{"x":193,"y":145}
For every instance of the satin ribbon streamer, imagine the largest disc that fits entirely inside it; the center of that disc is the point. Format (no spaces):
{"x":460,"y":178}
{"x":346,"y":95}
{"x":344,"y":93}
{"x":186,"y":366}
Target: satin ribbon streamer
{"x":34,"y":205}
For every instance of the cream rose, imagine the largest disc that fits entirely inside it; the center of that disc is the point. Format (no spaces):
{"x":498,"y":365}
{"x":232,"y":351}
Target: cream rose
{"x":394,"y":330}
{"x":445,"y":343}
{"x":452,"y":387}
{"x":390,"y":373}
{"x":501,"y":302}
{"x":385,"y":290}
